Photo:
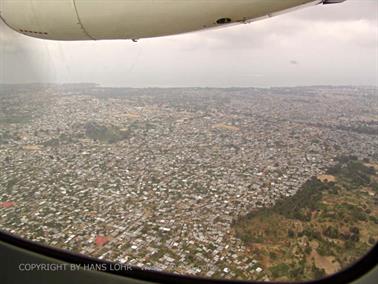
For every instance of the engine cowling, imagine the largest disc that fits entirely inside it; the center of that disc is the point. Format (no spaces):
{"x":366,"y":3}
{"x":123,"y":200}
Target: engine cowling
{"x":131,"y":19}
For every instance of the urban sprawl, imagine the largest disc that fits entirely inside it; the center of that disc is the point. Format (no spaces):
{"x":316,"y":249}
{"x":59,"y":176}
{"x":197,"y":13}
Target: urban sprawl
{"x":155,"y":177}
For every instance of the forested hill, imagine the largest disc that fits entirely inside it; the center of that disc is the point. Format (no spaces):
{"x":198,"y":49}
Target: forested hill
{"x":328,"y":224}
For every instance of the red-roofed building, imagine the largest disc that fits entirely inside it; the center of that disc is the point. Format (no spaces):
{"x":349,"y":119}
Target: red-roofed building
{"x":7,"y":204}
{"x":101,"y":240}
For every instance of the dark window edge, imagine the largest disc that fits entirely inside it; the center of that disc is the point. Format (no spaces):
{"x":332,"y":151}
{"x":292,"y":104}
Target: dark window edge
{"x":347,"y":275}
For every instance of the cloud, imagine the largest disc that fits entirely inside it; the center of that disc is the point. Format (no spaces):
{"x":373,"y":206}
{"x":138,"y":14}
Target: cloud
{"x":22,"y":59}
{"x":335,"y":44}
{"x":283,"y":30}
{"x":9,"y":40}
{"x":350,"y":10}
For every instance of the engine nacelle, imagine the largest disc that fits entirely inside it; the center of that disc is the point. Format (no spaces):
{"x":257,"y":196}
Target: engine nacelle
{"x":132,"y":19}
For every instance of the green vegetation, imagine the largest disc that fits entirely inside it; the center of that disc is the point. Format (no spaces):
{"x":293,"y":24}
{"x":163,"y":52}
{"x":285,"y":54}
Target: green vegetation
{"x":279,"y":270}
{"x":350,"y":171}
{"x":6,"y":136}
{"x":21,"y":105}
{"x":12,"y":119}
{"x":319,"y":230}
{"x":106,"y":134}
{"x":363,"y":129}
{"x":62,"y":139}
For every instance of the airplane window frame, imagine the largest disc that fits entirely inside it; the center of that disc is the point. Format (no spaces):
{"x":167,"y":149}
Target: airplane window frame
{"x":347,"y":275}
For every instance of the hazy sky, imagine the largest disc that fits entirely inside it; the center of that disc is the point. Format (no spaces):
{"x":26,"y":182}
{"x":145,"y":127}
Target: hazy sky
{"x":332,"y":44}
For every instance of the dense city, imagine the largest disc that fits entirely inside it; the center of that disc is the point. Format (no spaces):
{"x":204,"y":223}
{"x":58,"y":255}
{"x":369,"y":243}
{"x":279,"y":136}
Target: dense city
{"x":155,"y":177}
